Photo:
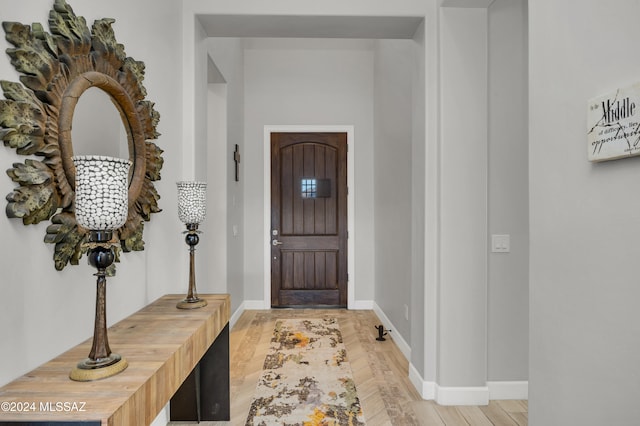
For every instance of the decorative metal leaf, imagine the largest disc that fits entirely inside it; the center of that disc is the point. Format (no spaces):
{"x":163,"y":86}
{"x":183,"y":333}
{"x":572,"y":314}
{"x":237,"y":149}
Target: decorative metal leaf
{"x":31,"y":122}
{"x":36,"y":199}
{"x":73,"y":36}
{"x":65,"y":193}
{"x":23,"y":126}
{"x":68,"y":238}
{"x":131,"y":79}
{"x":30,"y":56}
{"x":133,"y":240}
{"x":33,"y":204}
{"x":47,"y":40}
{"x":107,"y":53}
{"x":149,"y":117}
{"x":31,"y":173}
{"x":154,"y":161}
{"x":147,"y":202}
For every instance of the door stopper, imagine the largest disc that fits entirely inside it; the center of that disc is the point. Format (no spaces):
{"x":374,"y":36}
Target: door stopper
{"x":381,"y":333}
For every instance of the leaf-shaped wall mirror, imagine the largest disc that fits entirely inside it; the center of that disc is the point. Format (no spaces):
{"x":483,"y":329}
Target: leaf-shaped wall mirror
{"x":36,"y":119}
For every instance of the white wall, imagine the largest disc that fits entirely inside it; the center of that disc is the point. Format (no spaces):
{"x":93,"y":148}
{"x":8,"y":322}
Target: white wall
{"x":195,"y":168}
{"x":508,"y":195}
{"x":481,"y":320}
{"x":463,"y":251}
{"x":308,"y":82}
{"x":44,"y":312}
{"x":423,"y":370}
{"x":227,"y":54}
{"x":393,"y":180}
{"x":217,"y":161}
{"x":584,"y":293}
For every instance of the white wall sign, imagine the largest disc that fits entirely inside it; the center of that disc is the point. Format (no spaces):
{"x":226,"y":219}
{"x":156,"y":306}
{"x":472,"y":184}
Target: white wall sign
{"x":613,"y":125}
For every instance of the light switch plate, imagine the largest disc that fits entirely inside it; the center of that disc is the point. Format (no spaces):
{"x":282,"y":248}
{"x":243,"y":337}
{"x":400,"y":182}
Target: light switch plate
{"x":500,"y":243}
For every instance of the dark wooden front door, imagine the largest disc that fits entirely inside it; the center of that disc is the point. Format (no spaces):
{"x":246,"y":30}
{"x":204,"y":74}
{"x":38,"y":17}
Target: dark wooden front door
{"x":308,"y":219}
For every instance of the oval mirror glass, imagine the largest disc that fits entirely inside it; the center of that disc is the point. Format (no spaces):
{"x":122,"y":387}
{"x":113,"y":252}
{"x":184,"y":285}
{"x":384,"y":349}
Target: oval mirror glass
{"x":97,"y":126}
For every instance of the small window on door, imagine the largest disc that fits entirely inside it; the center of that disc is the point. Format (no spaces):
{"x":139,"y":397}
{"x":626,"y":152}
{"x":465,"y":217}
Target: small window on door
{"x":315,"y":188}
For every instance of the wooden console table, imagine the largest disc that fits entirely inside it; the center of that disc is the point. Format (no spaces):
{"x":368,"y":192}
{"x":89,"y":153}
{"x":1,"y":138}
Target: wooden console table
{"x":164,"y":347}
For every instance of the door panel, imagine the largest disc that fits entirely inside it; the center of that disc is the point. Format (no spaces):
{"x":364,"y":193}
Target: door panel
{"x":309,"y":219}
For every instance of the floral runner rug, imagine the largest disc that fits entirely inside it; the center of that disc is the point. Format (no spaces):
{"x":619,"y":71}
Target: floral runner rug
{"x":306,"y":378}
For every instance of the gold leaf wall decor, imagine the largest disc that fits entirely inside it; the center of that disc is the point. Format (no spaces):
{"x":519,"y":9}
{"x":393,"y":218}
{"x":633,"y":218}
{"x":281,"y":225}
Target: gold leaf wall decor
{"x":36,"y":120}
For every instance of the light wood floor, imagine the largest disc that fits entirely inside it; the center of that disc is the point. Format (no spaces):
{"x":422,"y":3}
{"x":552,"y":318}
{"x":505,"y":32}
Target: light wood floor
{"x":380,"y":372}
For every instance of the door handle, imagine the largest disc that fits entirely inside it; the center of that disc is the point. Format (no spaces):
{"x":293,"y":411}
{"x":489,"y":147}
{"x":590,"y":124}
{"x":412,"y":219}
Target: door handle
{"x":276,"y":242}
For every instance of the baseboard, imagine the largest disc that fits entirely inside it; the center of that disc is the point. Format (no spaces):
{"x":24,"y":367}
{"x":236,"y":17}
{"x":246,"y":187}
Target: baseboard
{"x":247,"y":305}
{"x":427,"y":390}
{"x":361,"y":305}
{"x":163,"y":417}
{"x":255,"y":305}
{"x":236,"y":315}
{"x":508,"y":390}
{"x":395,"y":335}
{"x":459,"y":395}
{"x":481,"y":395}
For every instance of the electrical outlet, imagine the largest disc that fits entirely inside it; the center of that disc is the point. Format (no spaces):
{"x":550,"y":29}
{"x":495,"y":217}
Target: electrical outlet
{"x":500,"y":243}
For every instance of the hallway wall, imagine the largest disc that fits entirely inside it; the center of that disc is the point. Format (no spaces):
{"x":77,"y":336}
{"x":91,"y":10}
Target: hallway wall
{"x":392,"y":184}
{"x":227,"y":56}
{"x":462,"y":348}
{"x":482,"y":296}
{"x":42,"y":311}
{"x":585,"y":320}
{"x":508,"y":194}
{"x":308,"y":82}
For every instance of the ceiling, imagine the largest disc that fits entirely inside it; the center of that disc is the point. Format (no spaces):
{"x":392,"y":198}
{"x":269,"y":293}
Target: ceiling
{"x":363,"y":27}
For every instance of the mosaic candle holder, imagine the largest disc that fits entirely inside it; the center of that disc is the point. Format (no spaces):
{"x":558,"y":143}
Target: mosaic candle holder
{"x":192,"y":209}
{"x":192,"y":201}
{"x":102,"y":191}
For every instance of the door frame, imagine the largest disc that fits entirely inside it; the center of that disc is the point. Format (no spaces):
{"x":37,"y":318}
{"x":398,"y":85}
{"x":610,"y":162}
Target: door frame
{"x":349,"y":130}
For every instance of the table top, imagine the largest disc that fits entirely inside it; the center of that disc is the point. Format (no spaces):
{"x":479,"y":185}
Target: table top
{"x":162,"y":345}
